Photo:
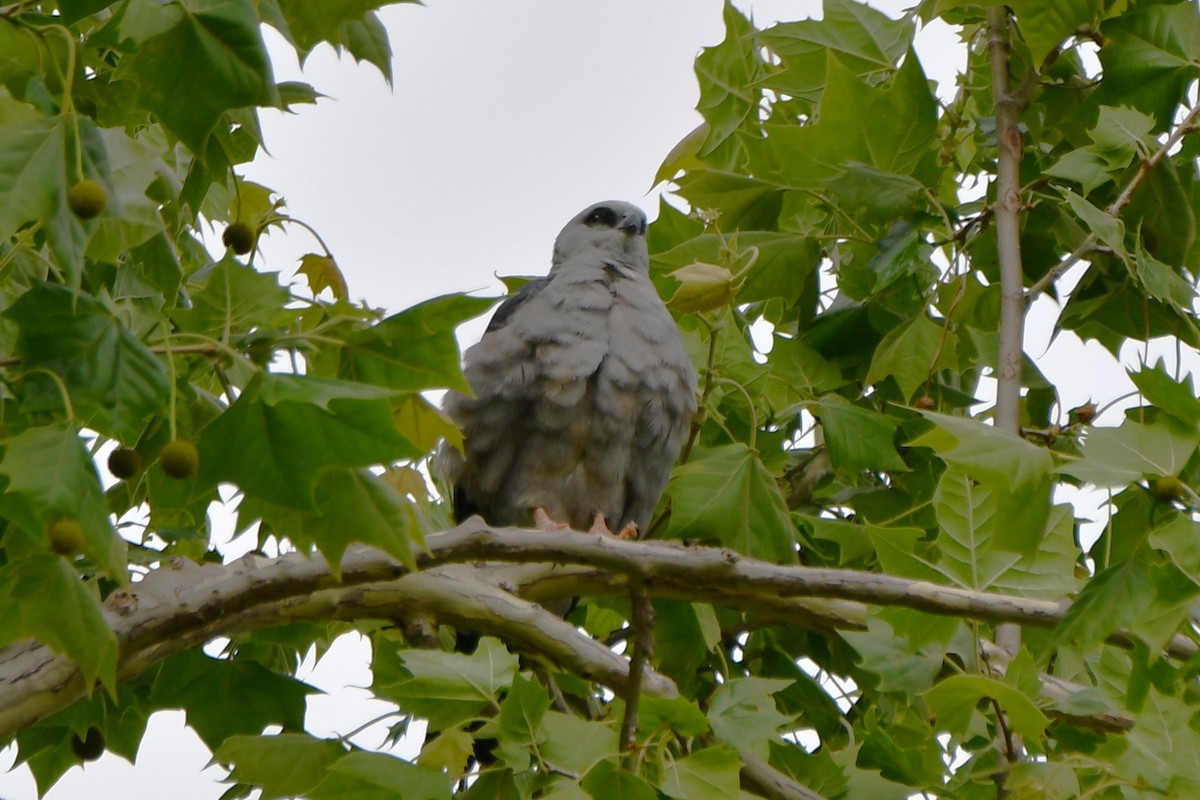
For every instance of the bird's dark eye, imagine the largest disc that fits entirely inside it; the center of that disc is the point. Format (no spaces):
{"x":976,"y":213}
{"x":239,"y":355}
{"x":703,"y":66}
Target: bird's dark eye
{"x":602,"y":216}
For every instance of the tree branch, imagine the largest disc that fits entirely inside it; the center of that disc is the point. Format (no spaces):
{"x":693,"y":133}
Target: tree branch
{"x":182,"y":604}
{"x":642,"y":618}
{"x":1189,"y":124}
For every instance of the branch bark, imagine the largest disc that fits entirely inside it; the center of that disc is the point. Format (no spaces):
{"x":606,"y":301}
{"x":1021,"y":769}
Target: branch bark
{"x":181,"y":604}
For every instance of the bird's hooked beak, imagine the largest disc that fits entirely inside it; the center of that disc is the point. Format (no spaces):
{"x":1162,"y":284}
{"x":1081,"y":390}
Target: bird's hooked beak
{"x":633,"y":224}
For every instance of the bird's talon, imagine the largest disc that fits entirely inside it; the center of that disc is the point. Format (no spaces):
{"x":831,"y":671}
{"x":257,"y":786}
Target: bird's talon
{"x":544,"y":522}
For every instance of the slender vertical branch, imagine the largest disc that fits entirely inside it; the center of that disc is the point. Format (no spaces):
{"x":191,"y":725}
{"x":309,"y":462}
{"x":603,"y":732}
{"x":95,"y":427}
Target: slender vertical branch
{"x":642,"y":619}
{"x":1009,"y":147}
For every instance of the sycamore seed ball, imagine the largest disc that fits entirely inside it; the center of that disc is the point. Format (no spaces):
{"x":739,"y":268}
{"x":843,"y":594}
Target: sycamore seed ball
{"x":124,"y":463}
{"x":90,"y":747}
{"x":925,"y":403}
{"x":239,"y":237}
{"x":179,"y":459}
{"x":66,"y":537}
{"x":1167,"y":488}
{"x":86,"y":199}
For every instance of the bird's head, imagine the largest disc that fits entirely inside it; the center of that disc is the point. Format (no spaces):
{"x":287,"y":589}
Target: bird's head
{"x":613,"y":230}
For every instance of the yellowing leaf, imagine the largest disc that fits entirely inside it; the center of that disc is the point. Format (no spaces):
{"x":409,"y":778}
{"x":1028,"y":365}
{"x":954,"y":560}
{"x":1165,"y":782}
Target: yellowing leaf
{"x":424,"y":424}
{"x":323,"y":273}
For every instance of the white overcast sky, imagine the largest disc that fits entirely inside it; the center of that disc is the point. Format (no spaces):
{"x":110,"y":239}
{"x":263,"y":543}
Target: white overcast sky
{"x":506,"y":118}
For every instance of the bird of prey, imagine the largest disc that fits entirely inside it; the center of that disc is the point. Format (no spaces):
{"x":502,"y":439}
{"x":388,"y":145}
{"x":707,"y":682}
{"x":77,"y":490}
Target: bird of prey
{"x":582,"y":390}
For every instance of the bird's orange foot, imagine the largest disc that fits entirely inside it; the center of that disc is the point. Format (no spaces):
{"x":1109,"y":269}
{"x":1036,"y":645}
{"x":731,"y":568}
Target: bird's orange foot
{"x":600,"y":525}
{"x":544,"y":522}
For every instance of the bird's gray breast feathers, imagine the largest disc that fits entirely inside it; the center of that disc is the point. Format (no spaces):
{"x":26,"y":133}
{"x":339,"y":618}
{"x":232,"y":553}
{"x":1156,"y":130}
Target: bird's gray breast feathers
{"x":583,"y":395}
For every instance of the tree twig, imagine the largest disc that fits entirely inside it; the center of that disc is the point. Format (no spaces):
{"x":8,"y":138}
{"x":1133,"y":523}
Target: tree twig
{"x":1189,"y":124}
{"x":642,"y":619}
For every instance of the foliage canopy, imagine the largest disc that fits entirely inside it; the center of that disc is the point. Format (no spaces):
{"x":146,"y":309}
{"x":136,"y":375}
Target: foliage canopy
{"x":882,"y":523}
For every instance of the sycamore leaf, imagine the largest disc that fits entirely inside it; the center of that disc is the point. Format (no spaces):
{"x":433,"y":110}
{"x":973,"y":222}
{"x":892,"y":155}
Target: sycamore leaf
{"x":858,"y":438}
{"x":49,"y":476}
{"x":911,"y":353}
{"x":283,"y":430}
{"x":1118,"y":456}
{"x":116,"y":384}
{"x":608,"y":780}
{"x":415,"y":349}
{"x":224,"y":697}
{"x":214,"y":56}
{"x":1016,"y":470}
{"x":450,"y":752}
{"x":283,"y":765}
{"x":44,"y":599}
{"x":424,"y":424}
{"x":371,"y":776}
{"x":727,"y":494}
{"x":708,"y":773}
{"x":446,"y":688}
{"x":954,"y":701}
{"x":323,"y":273}
{"x":235,"y":300}
{"x":743,"y":713}
{"x":1177,"y":398}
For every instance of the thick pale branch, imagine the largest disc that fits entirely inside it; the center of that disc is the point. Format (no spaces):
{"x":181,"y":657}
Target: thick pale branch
{"x":183,"y":604}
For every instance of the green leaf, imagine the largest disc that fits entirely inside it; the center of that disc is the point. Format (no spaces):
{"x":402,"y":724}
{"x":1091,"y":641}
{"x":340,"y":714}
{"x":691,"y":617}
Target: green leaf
{"x":345,"y":24}
{"x":846,"y":132}
{"x":576,"y":744}
{"x":44,"y":599}
{"x":283,"y":765}
{"x":863,"y":38}
{"x":351,"y":506}
{"x":743,"y":713}
{"x":797,"y":372}
{"x":447,"y":688}
{"x":709,"y":773}
{"x":727,"y":74}
{"x":377,"y":776}
{"x":858,"y":439}
{"x":116,"y":384}
{"x":911,"y":353}
{"x":607,"y":781}
{"x":1149,"y":56}
{"x":677,"y":714}
{"x":954,"y":700}
{"x":283,"y":430}
{"x":1016,"y":470}
{"x":224,"y":698}
{"x":1148,"y":597}
{"x":235,"y":300}
{"x":1163,"y":282}
{"x":1107,"y":228}
{"x":1179,"y":538}
{"x":212,"y":53}
{"x":966,"y":514}
{"x":1118,"y":456}
{"x":450,"y":751}
{"x":1177,"y":398}
{"x":901,"y":666}
{"x":521,"y":720}
{"x":37,"y":165}
{"x":50,"y":476}
{"x":415,"y":349}
{"x":725,"y":493}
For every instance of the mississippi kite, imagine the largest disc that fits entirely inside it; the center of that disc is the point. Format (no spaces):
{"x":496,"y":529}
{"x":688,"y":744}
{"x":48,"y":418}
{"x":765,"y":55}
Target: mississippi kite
{"x":583,"y":393}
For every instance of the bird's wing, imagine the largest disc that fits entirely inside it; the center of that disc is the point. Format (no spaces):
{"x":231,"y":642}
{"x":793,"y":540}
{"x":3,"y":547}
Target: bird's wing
{"x":510,"y":306}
